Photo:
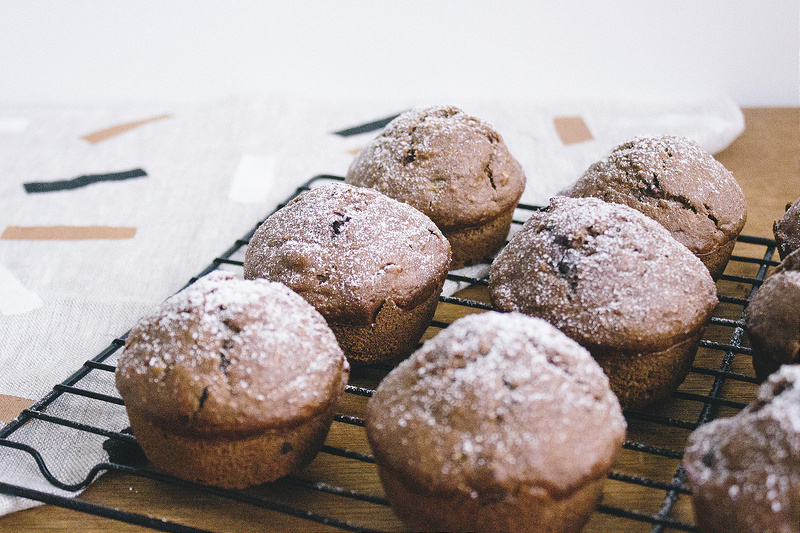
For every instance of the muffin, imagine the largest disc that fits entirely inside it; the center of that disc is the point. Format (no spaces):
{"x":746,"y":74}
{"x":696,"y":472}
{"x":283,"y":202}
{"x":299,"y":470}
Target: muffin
{"x":744,"y":471}
{"x":675,"y":182}
{"x":453,"y":167}
{"x":615,"y":281}
{"x":772,"y":319}
{"x":374,"y":267}
{"x":484,"y":429}
{"x":231,"y":383}
{"x":787,"y":230}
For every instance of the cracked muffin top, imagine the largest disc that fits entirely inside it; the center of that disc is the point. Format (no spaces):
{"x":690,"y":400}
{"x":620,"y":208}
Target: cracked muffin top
{"x":453,"y":167}
{"x":231,"y":356}
{"x":675,"y":182}
{"x":604,"y":274}
{"x":348,"y":251}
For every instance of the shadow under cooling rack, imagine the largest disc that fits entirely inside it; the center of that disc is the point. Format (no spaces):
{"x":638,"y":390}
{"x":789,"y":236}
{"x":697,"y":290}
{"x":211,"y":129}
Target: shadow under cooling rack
{"x":340,"y":489}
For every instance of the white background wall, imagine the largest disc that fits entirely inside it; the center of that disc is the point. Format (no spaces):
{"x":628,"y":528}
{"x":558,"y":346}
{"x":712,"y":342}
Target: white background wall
{"x":85,"y":51}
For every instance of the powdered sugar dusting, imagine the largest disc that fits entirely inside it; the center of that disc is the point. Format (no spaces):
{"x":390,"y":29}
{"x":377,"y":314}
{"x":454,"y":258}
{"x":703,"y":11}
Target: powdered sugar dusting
{"x":496,"y":400}
{"x":655,"y":153}
{"x":409,"y":138}
{"x":227,"y":352}
{"x":452,"y":166}
{"x":754,"y":457}
{"x":605,"y":274}
{"x":674,"y":181}
{"x":347,"y":250}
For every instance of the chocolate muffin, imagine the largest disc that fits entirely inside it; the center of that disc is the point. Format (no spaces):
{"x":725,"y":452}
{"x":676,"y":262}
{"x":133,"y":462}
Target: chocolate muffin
{"x":453,"y":167}
{"x":744,"y":471}
{"x":231,"y":383}
{"x":374,"y":267}
{"x":616,"y":282}
{"x":484,"y":429}
{"x":677,"y":183}
{"x":772,"y":319}
{"x":787,"y":230}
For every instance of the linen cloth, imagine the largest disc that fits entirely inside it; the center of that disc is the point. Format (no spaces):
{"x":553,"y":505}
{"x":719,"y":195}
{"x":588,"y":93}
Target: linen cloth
{"x":80,"y":265}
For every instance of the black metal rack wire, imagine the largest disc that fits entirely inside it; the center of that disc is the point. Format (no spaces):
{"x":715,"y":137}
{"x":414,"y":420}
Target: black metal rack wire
{"x":649,"y":471}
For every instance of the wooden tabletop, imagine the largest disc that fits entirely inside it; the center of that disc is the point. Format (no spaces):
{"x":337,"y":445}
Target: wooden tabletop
{"x":765,"y":160}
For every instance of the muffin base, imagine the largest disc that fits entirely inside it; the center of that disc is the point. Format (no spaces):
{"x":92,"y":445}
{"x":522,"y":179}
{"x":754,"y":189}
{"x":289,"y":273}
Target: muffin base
{"x":232,"y":462}
{"x":713,"y":514}
{"x":392,"y":336}
{"x":640,"y":379}
{"x":764,"y":365}
{"x":528,"y":508}
{"x":717,"y":260}
{"x":478,"y":244}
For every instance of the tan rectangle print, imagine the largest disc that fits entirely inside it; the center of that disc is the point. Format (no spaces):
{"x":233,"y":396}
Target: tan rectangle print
{"x":66,"y":233}
{"x":112,"y":131}
{"x":572,"y":130}
{"x":11,"y":406}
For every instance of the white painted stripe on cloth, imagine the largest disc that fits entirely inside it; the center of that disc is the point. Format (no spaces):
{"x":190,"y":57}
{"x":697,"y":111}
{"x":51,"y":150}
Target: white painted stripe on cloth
{"x":15,"y":299}
{"x":13,"y":124}
{"x":253,"y":179}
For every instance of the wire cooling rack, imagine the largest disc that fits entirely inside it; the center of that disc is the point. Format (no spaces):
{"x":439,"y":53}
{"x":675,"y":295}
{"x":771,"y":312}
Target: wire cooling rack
{"x":340,"y":489}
